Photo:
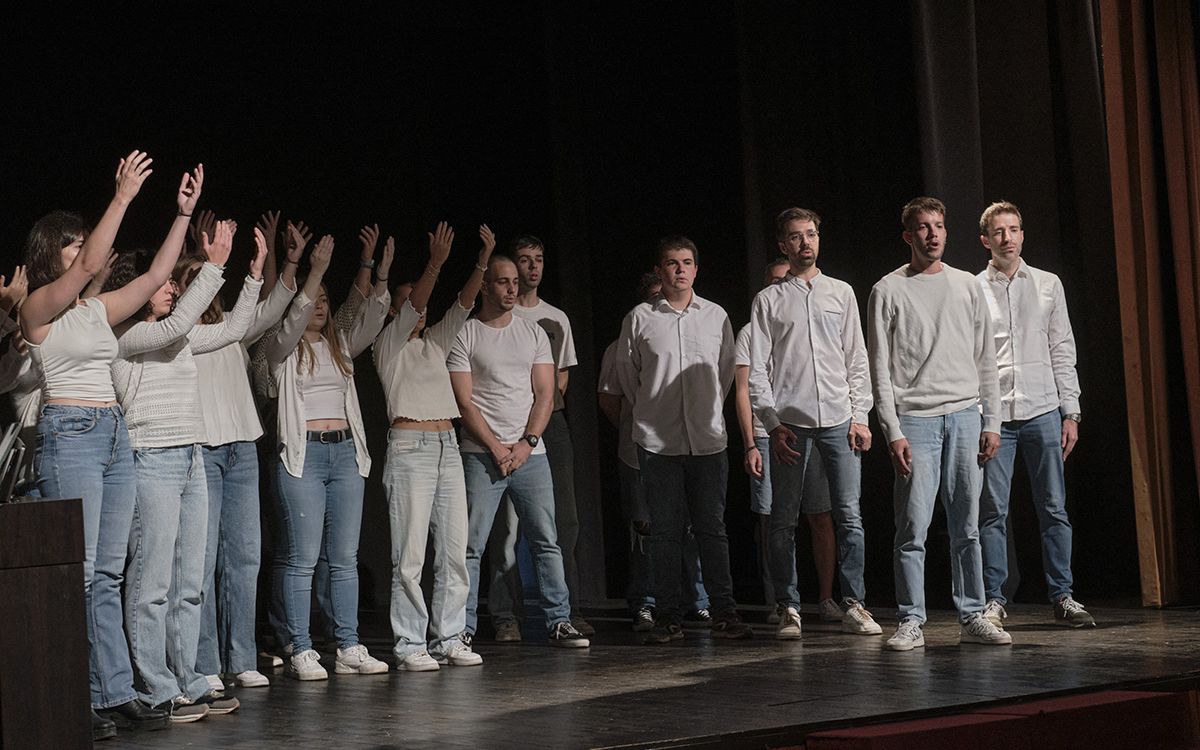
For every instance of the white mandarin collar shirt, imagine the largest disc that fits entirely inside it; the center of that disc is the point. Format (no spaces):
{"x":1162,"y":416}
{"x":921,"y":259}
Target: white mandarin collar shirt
{"x":677,"y":367}
{"x":808,"y":358}
{"x":1035,"y":348}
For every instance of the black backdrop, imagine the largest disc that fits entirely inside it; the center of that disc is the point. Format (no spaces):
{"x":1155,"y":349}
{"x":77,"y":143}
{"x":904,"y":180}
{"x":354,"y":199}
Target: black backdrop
{"x":601,"y":130}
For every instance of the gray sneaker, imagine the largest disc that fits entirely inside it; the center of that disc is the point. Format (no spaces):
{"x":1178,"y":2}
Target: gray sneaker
{"x":994,"y":612}
{"x":508,"y":631}
{"x":907,"y":637}
{"x":1071,"y":613}
{"x":183,"y":711}
{"x":978,"y":629}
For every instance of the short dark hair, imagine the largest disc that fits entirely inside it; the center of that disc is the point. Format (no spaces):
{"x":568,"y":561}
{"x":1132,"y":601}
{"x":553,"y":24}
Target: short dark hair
{"x":997,"y":208}
{"x":43,"y":247}
{"x":524,"y":240}
{"x":788,"y":215}
{"x":780,"y":260}
{"x":493,"y":260}
{"x":129,"y":266}
{"x":675,"y":242}
{"x":908,"y":214}
{"x":648,"y":281}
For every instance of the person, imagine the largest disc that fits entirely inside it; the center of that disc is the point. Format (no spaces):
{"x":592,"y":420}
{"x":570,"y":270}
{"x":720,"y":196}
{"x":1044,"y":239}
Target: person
{"x":933,"y":364}
{"x":82,"y":442}
{"x":155,"y":379}
{"x":676,"y":359}
{"x":502,"y":372}
{"x":232,"y":427}
{"x":814,"y":497}
{"x":1039,"y":406}
{"x":810,"y":386}
{"x":528,"y":252}
{"x":423,"y":473}
{"x":323,"y":460}
{"x":615,"y":405}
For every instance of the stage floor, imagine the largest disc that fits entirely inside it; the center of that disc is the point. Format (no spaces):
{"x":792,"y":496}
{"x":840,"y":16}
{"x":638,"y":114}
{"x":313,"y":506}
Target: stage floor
{"x":696,"y":692}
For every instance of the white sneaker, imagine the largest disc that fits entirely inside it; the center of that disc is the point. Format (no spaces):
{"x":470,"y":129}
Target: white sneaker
{"x":418,"y":661}
{"x":459,"y":655}
{"x":268,"y":660}
{"x":994,"y":612}
{"x":251,"y":678}
{"x":830,"y":611}
{"x":908,"y":636}
{"x":978,"y":629}
{"x":858,"y":620}
{"x":214,"y":681}
{"x":357,"y":660}
{"x":789,"y":624}
{"x":306,"y":665}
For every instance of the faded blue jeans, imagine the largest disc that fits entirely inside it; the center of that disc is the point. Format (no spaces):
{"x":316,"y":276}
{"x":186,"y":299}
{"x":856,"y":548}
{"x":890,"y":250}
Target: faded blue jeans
{"x":83,"y":451}
{"x":165,"y":572}
{"x":325,"y":502}
{"x":231,"y":560}
{"x":945,"y":465}
{"x":1040,"y":442}
{"x":427,"y":494}
{"x":532,"y":491}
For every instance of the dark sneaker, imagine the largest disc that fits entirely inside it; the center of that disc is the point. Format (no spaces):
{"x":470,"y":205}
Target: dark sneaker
{"x":1071,"y":613}
{"x":466,"y":638}
{"x":564,"y":635}
{"x":102,"y":728}
{"x":136,"y":716}
{"x":699,"y":617}
{"x":508,"y":631}
{"x":643,"y":620}
{"x":183,"y":711}
{"x":218,"y":703}
{"x":664,"y":632}
{"x":729,"y":625}
{"x":582,"y":625}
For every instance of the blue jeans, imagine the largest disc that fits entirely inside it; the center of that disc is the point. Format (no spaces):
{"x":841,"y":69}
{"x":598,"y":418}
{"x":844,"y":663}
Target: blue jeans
{"x":843,"y":467}
{"x":325,"y":502}
{"x":678,"y":488}
{"x":945,"y":464}
{"x":231,"y":560}
{"x":427,"y":494}
{"x":1040,"y":442}
{"x":165,"y":572}
{"x":531,"y":489}
{"x":84,"y":452}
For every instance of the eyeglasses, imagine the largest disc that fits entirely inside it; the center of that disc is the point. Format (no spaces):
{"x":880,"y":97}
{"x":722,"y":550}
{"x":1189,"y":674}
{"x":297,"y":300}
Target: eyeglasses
{"x":810,"y":235}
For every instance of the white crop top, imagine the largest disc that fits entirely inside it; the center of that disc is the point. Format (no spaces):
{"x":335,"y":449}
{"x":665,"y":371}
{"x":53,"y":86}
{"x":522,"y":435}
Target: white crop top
{"x":324,"y":390}
{"x":76,"y":355}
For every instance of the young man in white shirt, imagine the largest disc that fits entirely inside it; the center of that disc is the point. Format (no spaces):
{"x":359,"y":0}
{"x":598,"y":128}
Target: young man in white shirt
{"x":502,"y":373}
{"x":933,"y":364}
{"x":528,"y":253}
{"x":675,"y":358}
{"x":806,"y":332}
{"x":1039,"y":406}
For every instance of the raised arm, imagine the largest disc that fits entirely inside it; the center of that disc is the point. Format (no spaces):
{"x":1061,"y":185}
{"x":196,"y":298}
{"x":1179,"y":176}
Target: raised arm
{"x":285,"y":339}
{"x":235,"y":325}
{"x":440,"y":241}
{"x":13,"y":291}
{"x":123,"y":302}
{"x":470,"y":290}
{"x":267,"y":226}
{"x":48,"y":301}
{"x":96,"y":285}
{"x":271,"y":308}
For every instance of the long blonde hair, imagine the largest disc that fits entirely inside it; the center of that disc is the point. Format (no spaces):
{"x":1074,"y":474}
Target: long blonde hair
{"x":329,"y":332}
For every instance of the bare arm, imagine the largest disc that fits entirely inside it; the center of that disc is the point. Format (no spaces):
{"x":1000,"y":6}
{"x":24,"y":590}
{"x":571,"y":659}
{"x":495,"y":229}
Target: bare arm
{"x":268,"y":226}
{"x":440,"y":241}
{"x":474,"y":421}
{"x":470,"y":290}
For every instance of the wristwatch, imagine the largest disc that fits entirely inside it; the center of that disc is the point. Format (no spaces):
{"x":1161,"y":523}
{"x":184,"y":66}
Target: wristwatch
{"x":1076,"y":417}
{"x":531,"y":439}
{"x":367,"y":263}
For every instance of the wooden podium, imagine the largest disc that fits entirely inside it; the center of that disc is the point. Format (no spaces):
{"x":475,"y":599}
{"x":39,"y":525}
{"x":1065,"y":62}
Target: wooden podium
{"x":44,"y":694}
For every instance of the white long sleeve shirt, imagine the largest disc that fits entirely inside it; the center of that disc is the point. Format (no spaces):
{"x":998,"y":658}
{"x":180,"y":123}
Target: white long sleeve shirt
{"x":808,"y":359}
{"x":931,"y":348}
{"x":1035,"y":348}
{"x":677,"y":367}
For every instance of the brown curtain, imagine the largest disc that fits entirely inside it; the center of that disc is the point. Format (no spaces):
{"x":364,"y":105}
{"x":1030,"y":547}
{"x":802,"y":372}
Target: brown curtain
{"x":1153,"y":117}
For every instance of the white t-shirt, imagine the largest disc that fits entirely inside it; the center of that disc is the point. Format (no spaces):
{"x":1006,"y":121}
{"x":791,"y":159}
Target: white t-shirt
{"x":741,"y":354}
{"x":558,"y":328}
{"x":501,"y":362}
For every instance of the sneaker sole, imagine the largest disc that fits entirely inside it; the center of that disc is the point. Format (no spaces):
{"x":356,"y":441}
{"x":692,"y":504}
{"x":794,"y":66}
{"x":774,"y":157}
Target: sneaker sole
{"x":403,"y":668}
{"x":264,"y":682}
{"x":449,"y":663}
{"x":905,"y":646}
{"x":222,"y":711}
{"x":339,"y":669}
{"x":308,"y":677}
{"x":984,"y":641}
{"x":580,"y":643}
{"x":860,"y":630}
{"x":189,"y":718}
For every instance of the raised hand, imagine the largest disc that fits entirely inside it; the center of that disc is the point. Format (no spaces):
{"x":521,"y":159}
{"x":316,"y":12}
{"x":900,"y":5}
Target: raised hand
{"x":96,"y":285}
{"x":369,"y":237}
{"x":488,"y":237}
{"x":296,"y":239}
{"x":321,"y":255}
{"x":385,"y":262}
{"x":221,"y":246}
{"x":132,"y":171}
{"x":439,"y":244}
{"x":204,"y":222}
{"x":260,"y":255}
{"x":189,"y":190}
{"x":268,"y":224}
{"x":14,"y":291}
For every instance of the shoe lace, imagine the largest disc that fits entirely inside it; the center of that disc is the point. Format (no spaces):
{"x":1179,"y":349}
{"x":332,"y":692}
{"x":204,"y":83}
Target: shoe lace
{"x":908,"y":630}
{"x":1070,"y":606}
{"x":857,"y":611}
{"x":979,"y":625}
{"x":994,"y":607}
{"x":564,"y":630}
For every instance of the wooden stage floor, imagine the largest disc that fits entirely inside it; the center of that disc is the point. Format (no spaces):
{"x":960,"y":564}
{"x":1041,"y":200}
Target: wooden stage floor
{"x":698,"y":692}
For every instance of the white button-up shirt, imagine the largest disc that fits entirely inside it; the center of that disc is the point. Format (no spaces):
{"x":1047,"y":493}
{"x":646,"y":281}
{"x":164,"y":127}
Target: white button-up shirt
{"x":1035,"y":348}
{"x":677,"y":366}
{"x":808,"y":359}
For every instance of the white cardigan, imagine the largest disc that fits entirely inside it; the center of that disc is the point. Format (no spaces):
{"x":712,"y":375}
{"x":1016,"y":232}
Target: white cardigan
{"x":283,"y":356}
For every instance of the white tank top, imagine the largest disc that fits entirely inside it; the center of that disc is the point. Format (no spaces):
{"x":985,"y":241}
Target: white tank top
{"x":76,"y":354}
{"x":324,"y":390}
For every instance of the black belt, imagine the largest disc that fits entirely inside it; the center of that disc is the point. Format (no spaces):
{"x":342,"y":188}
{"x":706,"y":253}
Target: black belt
{"x":329,"y":436}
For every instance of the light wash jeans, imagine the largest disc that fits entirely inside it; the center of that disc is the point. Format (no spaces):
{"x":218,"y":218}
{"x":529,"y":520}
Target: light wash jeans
{"x":679,"y":487}
{"x":231,"y":560}
{"x":532,"y":491}
{"x":427,"y":494}
{"x":324,"y":503}
{"x":1040,"y":442}
{"x":843,"y":468}
{"x":84,"y":452}
{"x":165,"y":572}
{"x":505,"y":585}
{"x":945,"y":464}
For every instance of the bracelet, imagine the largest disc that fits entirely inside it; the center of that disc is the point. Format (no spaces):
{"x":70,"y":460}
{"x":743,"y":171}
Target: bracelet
{"x":433,"y":272}
{"x":367,"y":263}
{"x":751,"y":448}
{"x":181,"y":213}
{"x":381,"y":278}
{"x":481,"y":268}
{"x":295,"y":263}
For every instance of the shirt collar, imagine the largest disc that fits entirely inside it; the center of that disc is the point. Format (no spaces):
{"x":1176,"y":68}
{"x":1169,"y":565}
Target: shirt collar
{"x":995,"y":274}
{"x":810,"y":283}
{"x":662,"y":305}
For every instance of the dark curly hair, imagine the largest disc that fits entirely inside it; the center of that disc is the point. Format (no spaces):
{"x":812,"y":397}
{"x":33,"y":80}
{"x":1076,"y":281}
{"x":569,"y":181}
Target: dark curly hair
{"x":43,"y":248}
